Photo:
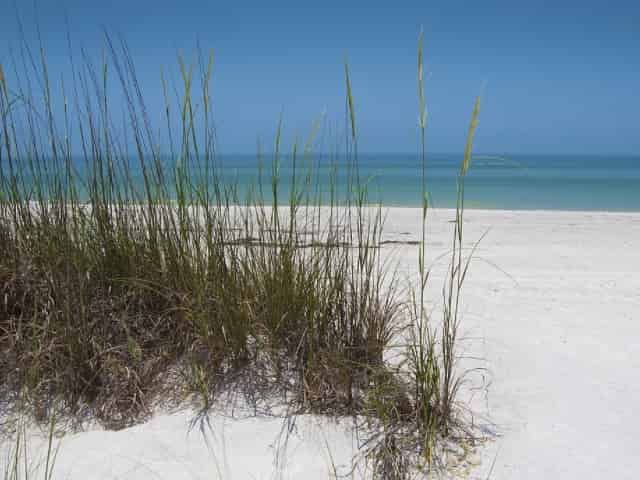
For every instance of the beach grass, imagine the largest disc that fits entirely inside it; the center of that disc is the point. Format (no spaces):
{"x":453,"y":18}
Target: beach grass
{"x":134,"y":274}
{"x":19,"y":463}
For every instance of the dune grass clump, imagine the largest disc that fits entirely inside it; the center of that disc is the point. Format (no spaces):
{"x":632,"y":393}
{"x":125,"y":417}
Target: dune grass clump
{"x":133,"y":273}
{"x":415,"y":405}
{"x":120,"y":269}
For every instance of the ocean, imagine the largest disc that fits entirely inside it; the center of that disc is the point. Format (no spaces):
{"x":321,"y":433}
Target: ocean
{"x":511,"y":182}
{"x":518,"y":182}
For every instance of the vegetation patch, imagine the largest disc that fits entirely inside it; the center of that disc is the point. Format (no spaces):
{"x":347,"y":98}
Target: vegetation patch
{"x":132,"y":273}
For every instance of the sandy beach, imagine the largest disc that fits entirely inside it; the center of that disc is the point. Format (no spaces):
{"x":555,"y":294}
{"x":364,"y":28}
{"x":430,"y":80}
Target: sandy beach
{"x":550,"y":309}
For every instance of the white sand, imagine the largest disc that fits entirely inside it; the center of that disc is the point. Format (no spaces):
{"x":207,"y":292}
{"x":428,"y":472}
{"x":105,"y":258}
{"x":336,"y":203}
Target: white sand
{"x":552,"y":304}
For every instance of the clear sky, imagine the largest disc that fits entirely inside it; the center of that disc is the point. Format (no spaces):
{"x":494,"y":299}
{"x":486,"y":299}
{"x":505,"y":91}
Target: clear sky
{"x":561,"y":76}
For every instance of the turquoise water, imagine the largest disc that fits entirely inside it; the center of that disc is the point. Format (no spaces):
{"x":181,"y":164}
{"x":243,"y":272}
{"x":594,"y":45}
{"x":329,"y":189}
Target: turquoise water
{"x":518,"y":182}
{"x":521,"y":182}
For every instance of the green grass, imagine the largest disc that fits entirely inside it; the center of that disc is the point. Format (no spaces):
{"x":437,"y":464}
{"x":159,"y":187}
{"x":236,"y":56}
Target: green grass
{"x":118,"y":292}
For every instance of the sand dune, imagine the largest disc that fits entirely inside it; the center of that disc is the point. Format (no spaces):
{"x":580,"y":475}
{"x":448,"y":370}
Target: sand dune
{"x":551,"y":311}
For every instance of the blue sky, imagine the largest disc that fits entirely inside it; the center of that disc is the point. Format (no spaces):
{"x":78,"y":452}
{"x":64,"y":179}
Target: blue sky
{"x":561,"y":77}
